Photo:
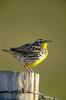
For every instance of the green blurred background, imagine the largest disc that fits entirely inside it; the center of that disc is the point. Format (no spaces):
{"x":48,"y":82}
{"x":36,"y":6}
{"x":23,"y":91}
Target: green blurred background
{"x":23,"y":21}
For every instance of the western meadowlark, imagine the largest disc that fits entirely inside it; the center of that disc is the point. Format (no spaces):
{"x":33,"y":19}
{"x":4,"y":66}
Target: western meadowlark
{"x":30,"y":54}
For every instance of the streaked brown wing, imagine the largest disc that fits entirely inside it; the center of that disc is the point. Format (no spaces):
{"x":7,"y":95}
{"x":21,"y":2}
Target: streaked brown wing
{"x":21,"y":49}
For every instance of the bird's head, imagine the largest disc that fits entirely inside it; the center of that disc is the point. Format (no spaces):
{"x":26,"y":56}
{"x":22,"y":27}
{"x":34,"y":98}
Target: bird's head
{"x":42,"y":42}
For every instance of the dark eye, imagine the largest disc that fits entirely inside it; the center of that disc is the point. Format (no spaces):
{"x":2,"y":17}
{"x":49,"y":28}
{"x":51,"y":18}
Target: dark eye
{"x":40,"y":41}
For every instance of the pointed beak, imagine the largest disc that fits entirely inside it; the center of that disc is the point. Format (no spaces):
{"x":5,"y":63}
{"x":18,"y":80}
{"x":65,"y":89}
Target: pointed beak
{"x":48,"y":40}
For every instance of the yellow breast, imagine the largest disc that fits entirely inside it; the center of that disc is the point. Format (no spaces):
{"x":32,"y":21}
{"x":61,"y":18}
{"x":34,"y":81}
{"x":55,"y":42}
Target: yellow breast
{"x":44,"y":56}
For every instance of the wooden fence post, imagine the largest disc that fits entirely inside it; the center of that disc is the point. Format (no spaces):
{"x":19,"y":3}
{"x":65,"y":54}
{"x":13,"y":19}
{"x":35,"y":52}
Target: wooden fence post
{"x":19,"y":85}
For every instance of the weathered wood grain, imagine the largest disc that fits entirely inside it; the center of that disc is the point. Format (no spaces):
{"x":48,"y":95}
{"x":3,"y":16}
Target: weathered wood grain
{"x":18,"y":85}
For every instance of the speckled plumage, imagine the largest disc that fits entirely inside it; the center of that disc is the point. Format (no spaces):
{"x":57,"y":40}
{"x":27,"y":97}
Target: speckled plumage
{"x":31,"y":54}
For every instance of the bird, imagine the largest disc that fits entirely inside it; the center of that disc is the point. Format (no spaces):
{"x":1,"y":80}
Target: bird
{"x":30,"y":54}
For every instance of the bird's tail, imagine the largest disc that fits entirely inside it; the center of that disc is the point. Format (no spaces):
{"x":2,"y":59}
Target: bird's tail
{"x":5,"y":50}
{"x":8,"y":50}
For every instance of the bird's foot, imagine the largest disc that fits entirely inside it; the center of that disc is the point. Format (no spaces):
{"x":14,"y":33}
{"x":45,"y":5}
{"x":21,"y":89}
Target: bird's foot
{"x":29,"y":69}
